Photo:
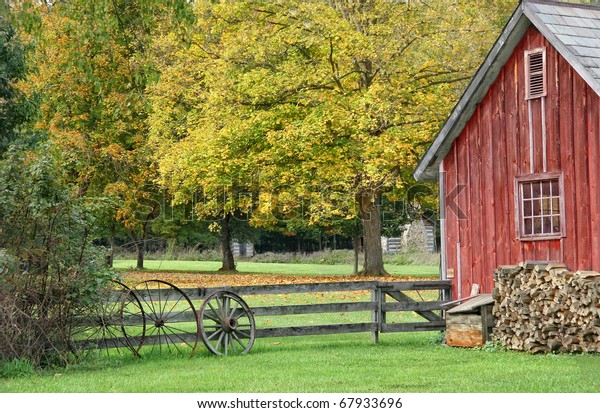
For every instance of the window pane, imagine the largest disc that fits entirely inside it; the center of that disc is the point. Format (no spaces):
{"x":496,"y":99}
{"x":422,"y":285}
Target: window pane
{"x":527,"y":208}
{"x":547,"y":225}
{"x":528,"y":230}
{"x":537,"y":207}
{"x":546,"y":206}
{"x":555,"y":206}
{"x":526,"y":191}
{"x":555,"y":191}
{"x":546,"y":188}
{"x":535,"y":189}
{"x":537,"y":225}
{"x":556,"y":225}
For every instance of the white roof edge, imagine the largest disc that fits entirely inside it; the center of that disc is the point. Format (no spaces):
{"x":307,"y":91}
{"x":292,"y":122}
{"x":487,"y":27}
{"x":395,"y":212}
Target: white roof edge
{"x":427,"y":169}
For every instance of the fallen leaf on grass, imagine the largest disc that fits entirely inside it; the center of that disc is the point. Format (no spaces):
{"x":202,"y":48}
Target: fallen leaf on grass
{"x":192,"y":280}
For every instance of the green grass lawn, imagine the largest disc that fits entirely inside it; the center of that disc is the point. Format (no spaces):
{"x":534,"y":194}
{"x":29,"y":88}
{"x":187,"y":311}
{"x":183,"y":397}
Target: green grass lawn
{"x":345,"y":363}
{"x":400,"y":363}
{"x":274,"y":268}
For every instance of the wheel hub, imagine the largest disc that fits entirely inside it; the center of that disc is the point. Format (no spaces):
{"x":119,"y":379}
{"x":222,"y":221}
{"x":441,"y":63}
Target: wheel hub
{"x":159,"y":323}
{"x":229,"y":324}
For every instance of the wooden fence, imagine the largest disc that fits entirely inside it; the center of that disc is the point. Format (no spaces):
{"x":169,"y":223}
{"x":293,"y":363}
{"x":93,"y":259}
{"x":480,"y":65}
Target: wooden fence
{"x":385,"y":297}
{"x":381,"y":299}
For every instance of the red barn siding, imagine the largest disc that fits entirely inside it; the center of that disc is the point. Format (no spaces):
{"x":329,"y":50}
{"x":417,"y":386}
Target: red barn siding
{"x":496,"y":145}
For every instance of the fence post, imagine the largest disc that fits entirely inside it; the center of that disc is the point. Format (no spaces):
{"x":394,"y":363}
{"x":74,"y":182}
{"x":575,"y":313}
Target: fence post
{"x":382,"y":316}
{"x":375,"y":309}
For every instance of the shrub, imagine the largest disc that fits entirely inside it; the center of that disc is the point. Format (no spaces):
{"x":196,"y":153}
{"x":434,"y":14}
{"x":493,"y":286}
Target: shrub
{"x":49,"y":268}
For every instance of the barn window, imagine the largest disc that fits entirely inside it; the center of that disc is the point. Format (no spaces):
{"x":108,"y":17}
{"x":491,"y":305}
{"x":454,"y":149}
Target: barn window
{"x":540,"y":206}
{"x":535,"y":73}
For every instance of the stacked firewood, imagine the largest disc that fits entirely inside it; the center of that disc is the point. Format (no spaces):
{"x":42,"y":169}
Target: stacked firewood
{"x":543,"y":307}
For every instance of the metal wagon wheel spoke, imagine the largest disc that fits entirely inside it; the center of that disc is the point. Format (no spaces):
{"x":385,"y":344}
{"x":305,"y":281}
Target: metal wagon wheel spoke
{"x":171,"y":325}
{"x":226,"y":324}
{"x":133,"y":321}
{"x":99,"y":328}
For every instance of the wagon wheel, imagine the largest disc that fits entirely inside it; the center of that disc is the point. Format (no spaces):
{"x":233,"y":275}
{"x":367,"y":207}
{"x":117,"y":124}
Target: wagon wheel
{"x":226,"y":324}
{"x":171,"y":325}
{"x":99,"y":328}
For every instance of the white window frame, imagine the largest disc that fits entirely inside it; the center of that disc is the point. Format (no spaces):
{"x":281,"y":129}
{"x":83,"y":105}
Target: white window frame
{"x":520,"y":200}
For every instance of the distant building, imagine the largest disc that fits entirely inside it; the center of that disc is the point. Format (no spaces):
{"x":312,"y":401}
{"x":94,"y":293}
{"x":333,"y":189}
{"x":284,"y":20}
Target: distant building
{"x":242,"y":249}
{"x":395,"y":245}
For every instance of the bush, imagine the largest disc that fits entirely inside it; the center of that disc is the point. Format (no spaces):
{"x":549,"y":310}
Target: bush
{"x":49,"y":268}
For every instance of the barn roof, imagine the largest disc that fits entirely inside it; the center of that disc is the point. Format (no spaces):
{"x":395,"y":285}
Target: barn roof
{"x":572,"y":29}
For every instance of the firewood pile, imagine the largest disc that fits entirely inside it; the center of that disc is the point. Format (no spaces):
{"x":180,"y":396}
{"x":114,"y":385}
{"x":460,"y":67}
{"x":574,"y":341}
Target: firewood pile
{"x":544,"y":307}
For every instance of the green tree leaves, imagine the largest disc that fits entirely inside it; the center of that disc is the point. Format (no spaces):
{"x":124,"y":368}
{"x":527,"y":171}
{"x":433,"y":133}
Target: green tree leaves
{"x":15,"y":109}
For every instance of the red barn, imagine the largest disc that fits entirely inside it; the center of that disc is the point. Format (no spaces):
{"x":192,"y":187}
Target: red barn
{"x":518,"y":160}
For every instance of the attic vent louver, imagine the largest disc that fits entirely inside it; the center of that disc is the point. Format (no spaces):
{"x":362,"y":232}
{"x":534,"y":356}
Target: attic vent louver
{"x":535,"y":67}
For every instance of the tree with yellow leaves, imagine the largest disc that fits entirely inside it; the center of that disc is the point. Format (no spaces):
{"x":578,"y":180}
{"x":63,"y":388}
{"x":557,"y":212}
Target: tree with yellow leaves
{"x":313,"y":109}
{"x":92,"y":73}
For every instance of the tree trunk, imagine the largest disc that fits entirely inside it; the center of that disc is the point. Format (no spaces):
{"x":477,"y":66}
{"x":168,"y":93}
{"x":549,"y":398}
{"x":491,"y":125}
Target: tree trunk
{"x":140,"y":243}
{"x":140,"y":248}
{"x":110,"y":258}
{"x":370,"y":214}
{"x":356,"y":245}
{"x":228,"y":263}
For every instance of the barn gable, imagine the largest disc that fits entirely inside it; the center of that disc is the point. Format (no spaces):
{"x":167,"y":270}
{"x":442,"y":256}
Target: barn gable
{"x":572,"y":29}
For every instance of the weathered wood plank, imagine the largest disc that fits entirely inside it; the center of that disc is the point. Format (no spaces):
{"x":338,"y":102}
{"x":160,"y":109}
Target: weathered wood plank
{"x":594,"y":175}
{"x":409,"y":327}
{"x":511,"y":132}
{"x":201,"y":293}
{"x":416,"y":306}
{"x":169,"y":338}
{"x":449,"y":217}
{"x":467,"y":321}
{"x":376,"y":314}
{"x":499,"y":239}
{"x":464,"y":337}
{"x":462,"y":248}
{"x":148,"y":340}
{"x":416,"y":285}
{"x":314,"y":308}
{"x":112,"y":342}
{"x":315,"y":330}
{"x":488,"y":190}
{"x":580,"y":155}
{"x":566,"y":153}
{"x":403,"y":298}
{"x":487,"y":323}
